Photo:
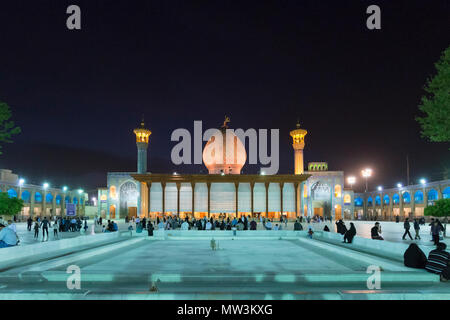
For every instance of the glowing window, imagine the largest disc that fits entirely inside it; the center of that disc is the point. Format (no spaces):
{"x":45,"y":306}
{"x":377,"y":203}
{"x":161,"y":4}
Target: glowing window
{"x":347,"y":199}
{"x":395,"y":199}
{"x":406,"y":198}
{"x":113,"y":192}
{"x":418,"y":197}
{"x":377,"y":200}
{"x":446,"y":193}
{"x":337,"y":191}
{"x":432,"y":195}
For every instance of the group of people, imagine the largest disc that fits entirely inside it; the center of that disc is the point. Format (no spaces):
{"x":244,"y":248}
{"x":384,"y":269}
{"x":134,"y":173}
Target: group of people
{"x":438,"y":261}
{"x":58,"y":224}
{"x":111,"y":226}
{"x":348,"y":234}
{"x":174,"y":223}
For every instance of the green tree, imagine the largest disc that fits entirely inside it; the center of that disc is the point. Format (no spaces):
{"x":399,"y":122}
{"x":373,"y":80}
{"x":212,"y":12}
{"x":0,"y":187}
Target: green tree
{"x":9,"y":206}
{"x":441,"y":208}
{"x":435,"y":103}
{"x":7,"y":127}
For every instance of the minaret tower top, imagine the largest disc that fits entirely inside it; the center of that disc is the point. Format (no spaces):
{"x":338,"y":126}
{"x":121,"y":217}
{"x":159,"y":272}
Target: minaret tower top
{"x":298,"y":138}
{"x":142,"y":135}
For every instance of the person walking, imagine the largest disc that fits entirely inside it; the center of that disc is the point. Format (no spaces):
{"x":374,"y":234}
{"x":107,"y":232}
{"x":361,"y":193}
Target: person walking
{"x":435,"y":230}
{"x":36,"y":230}
{"x":416,"y":229}
{"x":406,"y":226}
{"x":44,"y":224}
{"x":55,"y":230}
{"x":130,"y":228}
{"x":85,"y":225}
{"x":29,"y":223}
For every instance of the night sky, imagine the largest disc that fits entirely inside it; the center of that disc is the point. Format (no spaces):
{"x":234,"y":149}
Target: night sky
{"x":77,"y":95}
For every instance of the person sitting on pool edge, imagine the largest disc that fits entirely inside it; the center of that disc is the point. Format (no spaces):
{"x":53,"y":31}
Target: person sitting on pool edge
{"x":374,"y":232}
{"x":8,"y":237}
{"x":438,"y":262}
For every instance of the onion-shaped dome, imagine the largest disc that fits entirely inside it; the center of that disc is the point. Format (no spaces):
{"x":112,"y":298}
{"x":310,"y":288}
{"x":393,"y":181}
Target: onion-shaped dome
{"x":224,"y":156}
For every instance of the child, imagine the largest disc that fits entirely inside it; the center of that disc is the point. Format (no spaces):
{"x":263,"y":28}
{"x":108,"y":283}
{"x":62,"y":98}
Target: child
{"x":55,"y":230}
{"x":130,"y":228}
{"x":36,"y":229}
{"x":103,"y":229}
{"x":310,"y":233}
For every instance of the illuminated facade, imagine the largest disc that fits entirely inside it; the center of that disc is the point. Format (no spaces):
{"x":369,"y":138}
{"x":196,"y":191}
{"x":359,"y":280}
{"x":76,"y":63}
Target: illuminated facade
{"x":407,"y":201}
{"x":38,"y":201}
{"x":224,"y":192}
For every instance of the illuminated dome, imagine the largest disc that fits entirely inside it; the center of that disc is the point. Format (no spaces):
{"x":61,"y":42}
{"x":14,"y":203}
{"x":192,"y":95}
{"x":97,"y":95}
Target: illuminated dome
{"x":227,"y":157}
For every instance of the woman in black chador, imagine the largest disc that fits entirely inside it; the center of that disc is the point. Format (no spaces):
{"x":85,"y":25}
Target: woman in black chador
{"x":414,"y":257}
{"x":350,"y":234}
{"x":150,"y":228}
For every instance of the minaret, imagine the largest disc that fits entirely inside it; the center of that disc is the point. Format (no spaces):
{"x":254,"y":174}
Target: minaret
{"x":142,"y":135}
{"x":298,"y":137}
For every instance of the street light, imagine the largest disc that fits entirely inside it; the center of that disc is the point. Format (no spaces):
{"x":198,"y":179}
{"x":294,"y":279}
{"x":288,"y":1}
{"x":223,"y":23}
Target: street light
{"x":64,"y":189}
{"x":45,"y":185}
{"x":380,"y":188}
{"x":366,"y":173}
{"x":21,"y":182}
{"x":351,"y":180}
{"x":423,"y":181}
{"x":80,"y":191}
{"x":399,"y":185}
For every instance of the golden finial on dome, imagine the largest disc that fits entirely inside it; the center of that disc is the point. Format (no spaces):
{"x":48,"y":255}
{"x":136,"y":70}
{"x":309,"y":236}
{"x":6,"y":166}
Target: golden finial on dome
{"x":227,"y":119}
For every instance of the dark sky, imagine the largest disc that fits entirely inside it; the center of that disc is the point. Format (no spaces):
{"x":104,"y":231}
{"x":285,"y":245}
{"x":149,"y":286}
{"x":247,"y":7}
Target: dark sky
{"x":77,"y":95}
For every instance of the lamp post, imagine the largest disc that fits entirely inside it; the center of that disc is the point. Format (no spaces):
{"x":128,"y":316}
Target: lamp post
{"x":366,"y":173}
{"x":380,"y":189}
{"x":64,"y":189}
{"x":423,"y":182}
{"x":21,"y":182}
{"x":44,"y":200}
{"x":351,"y":180}
{"x":80,"y":192}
